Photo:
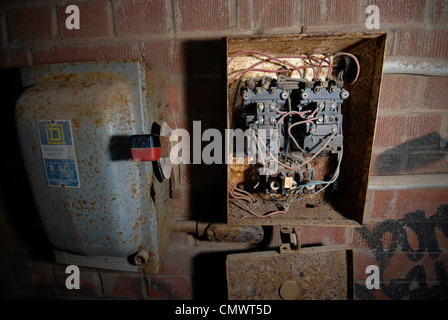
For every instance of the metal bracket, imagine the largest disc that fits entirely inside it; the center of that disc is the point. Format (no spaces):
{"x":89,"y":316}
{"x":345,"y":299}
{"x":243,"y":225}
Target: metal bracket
{"x":294,"y":242}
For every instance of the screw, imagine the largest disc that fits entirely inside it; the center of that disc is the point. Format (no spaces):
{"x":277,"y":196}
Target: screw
{"x":344,"y":94}
{"x":333,"y":106}
{"x":304,"y":95}
{"x":272,"y":90}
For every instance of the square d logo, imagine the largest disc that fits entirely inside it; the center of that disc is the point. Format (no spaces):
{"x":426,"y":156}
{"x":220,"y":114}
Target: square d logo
{"x":55,"y":134}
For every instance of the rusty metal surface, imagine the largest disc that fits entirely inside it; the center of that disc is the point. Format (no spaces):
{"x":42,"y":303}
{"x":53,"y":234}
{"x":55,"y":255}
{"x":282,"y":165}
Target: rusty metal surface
{"x":120,"y":208}
{"x":320,"y":273}
{"x":346,"y":208}
{"x":241,"y":234}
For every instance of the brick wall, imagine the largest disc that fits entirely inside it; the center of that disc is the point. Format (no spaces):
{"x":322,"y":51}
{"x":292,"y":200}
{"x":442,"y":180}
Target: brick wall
{"x":405,"y":231}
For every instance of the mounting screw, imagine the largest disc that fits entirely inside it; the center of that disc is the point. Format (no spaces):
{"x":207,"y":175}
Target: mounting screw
{"x":246,"y":95}
{"x":284,"y":95}
{"x":304,"y":95}
{"x":344,"y":94}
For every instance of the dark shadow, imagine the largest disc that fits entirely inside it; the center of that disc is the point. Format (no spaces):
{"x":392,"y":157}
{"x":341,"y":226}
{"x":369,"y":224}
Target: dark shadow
{"x":209,"y":276}
{"x":19,"y":213}
{"x":205,"y":97}
{"x":412,"y":155}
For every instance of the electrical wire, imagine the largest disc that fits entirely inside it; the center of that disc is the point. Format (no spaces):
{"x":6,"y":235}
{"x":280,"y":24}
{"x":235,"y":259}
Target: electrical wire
{"x":232,"y":188}
{"x":313,"y":62}
{"x":274,"y":158}
{"x":358,"y":67}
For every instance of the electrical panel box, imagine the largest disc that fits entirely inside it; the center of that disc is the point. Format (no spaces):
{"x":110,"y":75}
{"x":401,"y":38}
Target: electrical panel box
{"x":98,"y":207}
{"x":306,"y":107}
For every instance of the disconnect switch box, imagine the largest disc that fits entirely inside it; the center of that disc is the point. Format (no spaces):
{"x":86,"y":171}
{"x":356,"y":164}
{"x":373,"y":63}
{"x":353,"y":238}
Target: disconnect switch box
{"x":75,"y":122}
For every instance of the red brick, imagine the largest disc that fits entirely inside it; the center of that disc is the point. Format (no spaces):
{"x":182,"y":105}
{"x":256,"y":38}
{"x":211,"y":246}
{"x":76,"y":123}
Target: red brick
{"x":384,"y":164}
{"x":13,"y":59}
{"x":35,"y":280}
{"x":89,"y":286}
{"x":422,"y":43}
{"x":86,"y":53}
{"x":332,"y":12}
{"x":140,"y":17}
{"x":429,"y":162}
{"x":182,"y":206}
{"x":200,"y":15}
{"x":165,"y":57}
{"x":244,"y":14}
{"x":395,"y":204}
{"x":273,"y":14}
{"x":325,"y":235}
{"x":400,"y":265}
{"x":361,"y":260}
{"x":401,"y":10}
{"x":120,"y":285}
{"x":440,"y":12}
{"x":30,"y":24}
{"x":176,"y":261}
{"x":169,"y":287}
{"x":173,"y":99}
{"x":375,"y":294}
{"x":398,"y":92}
{"x":95,"y":20}
{"x":441,"y":238}
{"x":393,"y":130}
{"x":436,"y":93}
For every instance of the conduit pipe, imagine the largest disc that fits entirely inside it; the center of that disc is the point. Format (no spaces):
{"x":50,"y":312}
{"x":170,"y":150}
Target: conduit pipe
{"x":221,"y":232}
{"x":416,"y":65}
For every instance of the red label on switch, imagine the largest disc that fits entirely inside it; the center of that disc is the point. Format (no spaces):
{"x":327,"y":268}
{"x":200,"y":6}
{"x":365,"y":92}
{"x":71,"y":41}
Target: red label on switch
{"x":145,"y":154}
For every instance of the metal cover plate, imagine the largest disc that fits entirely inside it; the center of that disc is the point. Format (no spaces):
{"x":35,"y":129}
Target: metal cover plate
{"x":321,"y":273}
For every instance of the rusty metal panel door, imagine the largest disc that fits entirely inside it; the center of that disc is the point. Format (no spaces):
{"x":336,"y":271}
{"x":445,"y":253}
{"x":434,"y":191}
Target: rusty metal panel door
{"x":317,"y":273}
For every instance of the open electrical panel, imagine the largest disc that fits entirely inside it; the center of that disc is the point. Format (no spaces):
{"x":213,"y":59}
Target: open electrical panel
{"x":302,"y":112}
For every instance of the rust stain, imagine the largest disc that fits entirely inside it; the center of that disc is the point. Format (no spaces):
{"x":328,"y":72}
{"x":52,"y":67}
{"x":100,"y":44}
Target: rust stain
{"x":324,"y":273}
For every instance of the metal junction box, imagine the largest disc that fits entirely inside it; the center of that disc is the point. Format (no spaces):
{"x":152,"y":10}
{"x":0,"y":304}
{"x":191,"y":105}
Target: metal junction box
{"x":330,"y":109}
{"x":98,"y":207}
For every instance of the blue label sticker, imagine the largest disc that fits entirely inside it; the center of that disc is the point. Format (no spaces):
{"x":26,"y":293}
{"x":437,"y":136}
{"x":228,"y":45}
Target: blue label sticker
{"x":58,"y":153}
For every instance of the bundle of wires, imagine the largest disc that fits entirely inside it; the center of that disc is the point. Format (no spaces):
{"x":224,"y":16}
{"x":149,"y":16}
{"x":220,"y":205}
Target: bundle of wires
{"x":316,"y":64}
{"x":239,"y":195}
